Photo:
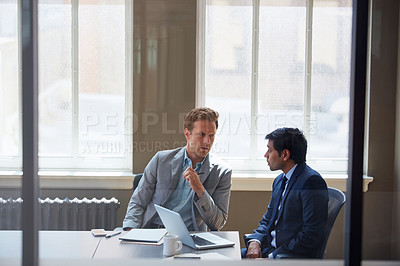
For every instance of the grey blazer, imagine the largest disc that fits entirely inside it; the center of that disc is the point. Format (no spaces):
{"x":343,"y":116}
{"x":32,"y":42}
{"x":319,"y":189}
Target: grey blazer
{"x":160,"y":178}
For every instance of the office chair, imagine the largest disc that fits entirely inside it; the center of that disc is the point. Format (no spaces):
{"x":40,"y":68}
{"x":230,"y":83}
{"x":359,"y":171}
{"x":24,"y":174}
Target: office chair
{"x":136,"y":180}
{"x":335,"y":203}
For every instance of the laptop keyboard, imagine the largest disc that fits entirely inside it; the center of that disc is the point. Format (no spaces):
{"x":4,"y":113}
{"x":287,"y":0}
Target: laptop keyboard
{"x":201,"y":241}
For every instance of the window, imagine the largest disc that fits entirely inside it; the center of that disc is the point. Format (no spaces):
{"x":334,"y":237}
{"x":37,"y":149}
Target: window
{"x":268,"y":64}
{"x":85,"y":86}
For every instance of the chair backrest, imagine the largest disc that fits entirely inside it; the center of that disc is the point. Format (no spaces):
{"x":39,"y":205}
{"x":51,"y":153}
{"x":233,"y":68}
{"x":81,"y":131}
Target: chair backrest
{"x":335,"y":203}
{"x":136,"y":180}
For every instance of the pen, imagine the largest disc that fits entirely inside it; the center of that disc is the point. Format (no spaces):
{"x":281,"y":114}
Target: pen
{"x":113,"y":234}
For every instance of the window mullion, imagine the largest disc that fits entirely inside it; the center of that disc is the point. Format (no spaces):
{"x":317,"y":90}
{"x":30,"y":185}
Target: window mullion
{"x":200,"y":50}
{"x":254,"y":79}
{"x":20,"y":85}
{"x":75,"y":78}
{"x":308,"y":67}
{"x":128,"y":80}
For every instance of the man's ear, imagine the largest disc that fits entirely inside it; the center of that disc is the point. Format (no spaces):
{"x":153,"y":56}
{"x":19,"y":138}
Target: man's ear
{"x":187,"y":133}
{"x":286,"y":155}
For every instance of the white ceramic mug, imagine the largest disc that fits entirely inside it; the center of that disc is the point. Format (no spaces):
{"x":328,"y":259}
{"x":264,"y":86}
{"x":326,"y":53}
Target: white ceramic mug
{"x":171,"y":245}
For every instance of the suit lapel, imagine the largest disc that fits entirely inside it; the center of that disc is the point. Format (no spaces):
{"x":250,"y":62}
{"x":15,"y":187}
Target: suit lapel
{"x":293,"y":178}
{"x":206,"y":169}
{"x":177,"y":164}
{"x":277,"y":191}
{"x":176,"y":170}
{"x":275,"y":198}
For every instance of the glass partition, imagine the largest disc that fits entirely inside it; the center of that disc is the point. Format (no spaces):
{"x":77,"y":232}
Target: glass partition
{"x":10,"y":133}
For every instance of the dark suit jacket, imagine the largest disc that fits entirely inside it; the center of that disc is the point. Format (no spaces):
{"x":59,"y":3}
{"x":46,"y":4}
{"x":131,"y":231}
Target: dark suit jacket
{"x":301,"y":219}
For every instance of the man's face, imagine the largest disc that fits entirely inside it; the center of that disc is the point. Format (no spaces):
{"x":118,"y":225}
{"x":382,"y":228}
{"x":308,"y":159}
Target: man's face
{"x":275,"y":161}
{"x":201,"y":139}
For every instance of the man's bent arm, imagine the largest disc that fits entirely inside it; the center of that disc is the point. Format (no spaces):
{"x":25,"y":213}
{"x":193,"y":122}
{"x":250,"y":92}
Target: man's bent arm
{"x":213,"y":208}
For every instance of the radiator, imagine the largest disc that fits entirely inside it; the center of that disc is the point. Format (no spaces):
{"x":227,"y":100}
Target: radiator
{"x":57,"y":214}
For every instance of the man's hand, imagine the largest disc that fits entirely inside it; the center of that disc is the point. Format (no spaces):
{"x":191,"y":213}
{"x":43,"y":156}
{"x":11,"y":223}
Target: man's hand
{"x":194,"y":181}
{"x":253,"y":250}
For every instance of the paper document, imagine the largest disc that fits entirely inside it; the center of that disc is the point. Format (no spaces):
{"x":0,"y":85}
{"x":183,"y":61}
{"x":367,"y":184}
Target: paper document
{"x":144,"y":235}
{"x":143,"y":243}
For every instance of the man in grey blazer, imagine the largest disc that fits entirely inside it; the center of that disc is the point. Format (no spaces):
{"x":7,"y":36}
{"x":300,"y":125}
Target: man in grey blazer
{"x":187,"y":180}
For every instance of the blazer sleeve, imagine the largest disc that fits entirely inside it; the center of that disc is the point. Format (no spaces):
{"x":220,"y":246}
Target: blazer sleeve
{"x":213,"y":206}
{"x":314,"y":202}
{"x":142,"y":195}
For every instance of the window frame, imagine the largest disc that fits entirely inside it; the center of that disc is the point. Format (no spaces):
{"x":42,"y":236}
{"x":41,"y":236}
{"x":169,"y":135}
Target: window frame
{"x":255,"y":165}
{"x":75,"y":162}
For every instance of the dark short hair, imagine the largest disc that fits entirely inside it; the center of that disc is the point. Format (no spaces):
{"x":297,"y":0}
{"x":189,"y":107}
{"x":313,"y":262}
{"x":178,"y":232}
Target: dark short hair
{"x":291,"y":139}
{"x":201,"y":113}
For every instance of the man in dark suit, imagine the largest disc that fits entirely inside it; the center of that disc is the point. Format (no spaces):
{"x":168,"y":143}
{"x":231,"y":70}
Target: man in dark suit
{"x":298,"y":210}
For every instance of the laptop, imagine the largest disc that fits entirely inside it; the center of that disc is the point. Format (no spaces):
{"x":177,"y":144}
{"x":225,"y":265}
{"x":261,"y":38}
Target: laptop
{"x":175,"y":226}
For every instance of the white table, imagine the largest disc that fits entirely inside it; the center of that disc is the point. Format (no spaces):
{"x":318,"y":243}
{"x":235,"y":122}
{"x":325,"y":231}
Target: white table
{"x":52,"y":244}
{"x":83,"y":245}
{"x":113,"y":248}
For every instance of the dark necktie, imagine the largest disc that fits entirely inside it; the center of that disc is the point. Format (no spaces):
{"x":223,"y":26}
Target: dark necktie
{"x":277,"y":203}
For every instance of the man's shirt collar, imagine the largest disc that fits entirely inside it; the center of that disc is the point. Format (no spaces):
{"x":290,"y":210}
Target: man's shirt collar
{"x":290,"y":173}
{"x":188,"y":162}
